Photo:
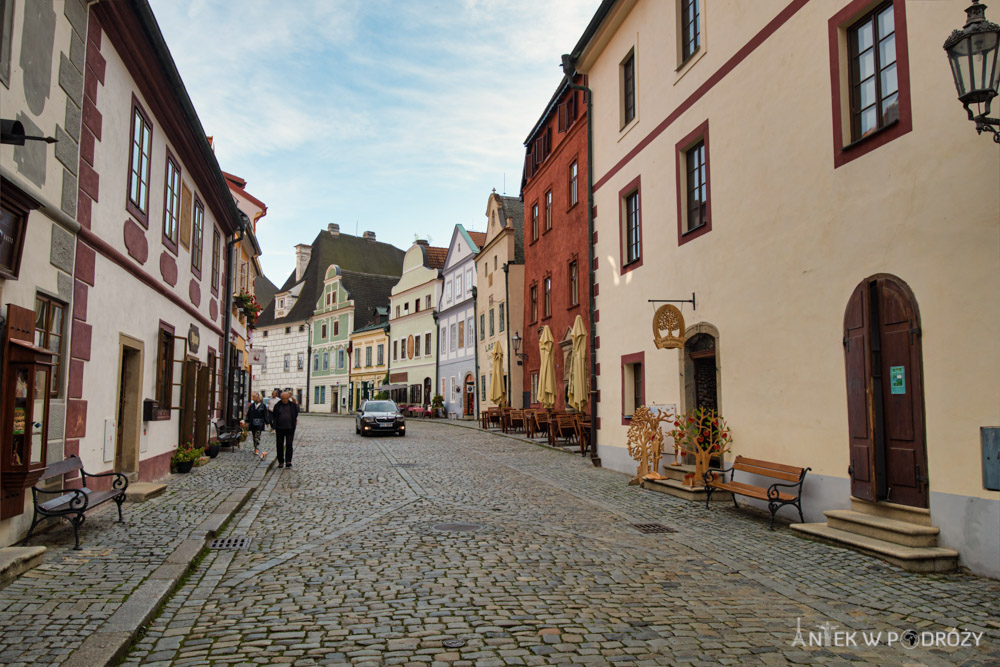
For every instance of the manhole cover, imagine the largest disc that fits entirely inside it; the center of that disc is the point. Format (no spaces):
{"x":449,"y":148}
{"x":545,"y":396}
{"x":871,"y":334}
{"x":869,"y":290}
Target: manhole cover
{"x":454,"y":643}
{"x":458,"y":527}
{"x":230,"y":543}
{"x":652,"y":528}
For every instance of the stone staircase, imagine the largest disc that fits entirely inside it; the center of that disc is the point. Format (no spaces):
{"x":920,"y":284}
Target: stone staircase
{"x":898,"y":534}
{"x":673,"y":484}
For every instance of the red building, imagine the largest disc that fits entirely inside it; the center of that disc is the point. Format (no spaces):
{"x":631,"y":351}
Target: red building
{"x":556,"y":272}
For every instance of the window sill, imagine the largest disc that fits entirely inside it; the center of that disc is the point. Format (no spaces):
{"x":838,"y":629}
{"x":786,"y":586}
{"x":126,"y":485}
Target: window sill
{"x":870,"y":136}
{"x":575,"y":306}
{"x":624,"y":131}
{"x":631,"y":266}
{"x":572,"y":206}
{"x":626,"y":420}
{"x":547,"y":230}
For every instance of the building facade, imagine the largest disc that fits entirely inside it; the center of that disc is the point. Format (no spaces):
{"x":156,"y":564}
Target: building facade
{"x":828,"y":243}
{"x":413,"y":325}
{"x":500,"y":286}
{"x":556,"y":269}
{"x":456,"y":325}
{"x":370,"y":346}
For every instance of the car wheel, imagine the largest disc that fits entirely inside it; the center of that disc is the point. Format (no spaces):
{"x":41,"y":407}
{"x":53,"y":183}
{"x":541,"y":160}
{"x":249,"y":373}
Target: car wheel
{"x":401,"y":433}
{"x":357,"y":429}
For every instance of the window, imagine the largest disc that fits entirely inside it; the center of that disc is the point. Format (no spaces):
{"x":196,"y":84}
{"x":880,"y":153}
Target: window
{"x":574,"y":284}
{"x":416,"y":306}
{"x":548,"y":210}
{"x":694,"y":188}
{"x":427,"y":303}
{"x":381,"y":354}
{"x":216,"y":238}
{"x":302,"y":328}
{"x":300,"y":362}
{"x":447,"y":292}
{"x":534,"y":222}
{"x":468,"y":278}
{"x":288,"y":330}
{"x":288,"y":362}
{"x":138,"y":168}
{"x":630,"y":225}
{"x":14,"y":208}
{"x":534,"y":302}
{"x":49,"y":316}
{"x":453,"y":329}
{"x":461,"y":335}
{"x":316,"y":361}
{"x":628,"y":89}
{"x":340,"y":359}
{"x":502,"y":318}
{"x":406,"y":308}
{"x":427,"y":344}
{"x":416,"y":346}
{"x":443,"y":339}
{"x":164,"y":366}
{"x":573,"y":180}
{"x":482,"y":391}
{"x":567,"y":112}
{"x":198,"y":238}
{"x":395,"y":350}
{"x":265,"y":333}
{"x":548,"y":296}
{"x":357,"y":358}
{"x":492,"y":323}
{"x":458,"y":286}
{"x":633,"y":384}
{"x":368,"y":356}
{"x":326,"y":360}
{"x":690,"y":28}
{"x":322,"y":331}
{"x":397,"y":311}
{"x":482,"y":326}
{"x":244,"y":284}
{"x":470,"y":334}
{"x":172,"y":204}
{"x":534,"y":388}
{"x":871,"y":44}
{"x":336,"y":327}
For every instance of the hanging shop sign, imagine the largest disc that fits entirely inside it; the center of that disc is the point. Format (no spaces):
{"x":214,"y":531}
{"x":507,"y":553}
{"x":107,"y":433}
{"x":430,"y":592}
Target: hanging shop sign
{"x":668,"y":327}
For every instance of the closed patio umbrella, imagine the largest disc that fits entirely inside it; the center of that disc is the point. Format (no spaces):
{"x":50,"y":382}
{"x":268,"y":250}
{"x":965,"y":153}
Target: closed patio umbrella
{"x":547,"y":371}
{"x":498,"y":391}
{"x":577,"y":396}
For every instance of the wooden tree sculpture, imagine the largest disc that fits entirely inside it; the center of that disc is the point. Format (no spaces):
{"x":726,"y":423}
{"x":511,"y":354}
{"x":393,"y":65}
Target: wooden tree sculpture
{"x":645,"y":442}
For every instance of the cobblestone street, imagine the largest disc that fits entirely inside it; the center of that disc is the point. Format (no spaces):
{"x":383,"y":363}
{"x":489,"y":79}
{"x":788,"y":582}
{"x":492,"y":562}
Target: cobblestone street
{"x":355,"y":557}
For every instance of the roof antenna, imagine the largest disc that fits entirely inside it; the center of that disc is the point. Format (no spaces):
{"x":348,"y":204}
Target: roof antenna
{"x":355,"y":227}
{"x":505,"y":182}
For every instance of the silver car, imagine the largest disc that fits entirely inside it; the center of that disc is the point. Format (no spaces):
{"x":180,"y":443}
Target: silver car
{"x":379,"y":417}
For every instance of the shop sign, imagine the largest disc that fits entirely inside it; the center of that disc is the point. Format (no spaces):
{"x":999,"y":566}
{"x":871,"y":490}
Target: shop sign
{"x":668,"y":319}
{"x":194,"y":339}
{"x":897,"y":379}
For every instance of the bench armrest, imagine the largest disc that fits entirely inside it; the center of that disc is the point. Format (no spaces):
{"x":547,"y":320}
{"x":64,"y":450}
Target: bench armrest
{"x":120,"y":482}
{"x":77,"y":498}
{"x":772,"y":491}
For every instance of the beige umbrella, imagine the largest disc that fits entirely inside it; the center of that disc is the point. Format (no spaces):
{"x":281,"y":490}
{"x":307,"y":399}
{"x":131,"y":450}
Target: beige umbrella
{"x":577,"y":396}
{"x":498,"y":392}
{"x":547,"y":372}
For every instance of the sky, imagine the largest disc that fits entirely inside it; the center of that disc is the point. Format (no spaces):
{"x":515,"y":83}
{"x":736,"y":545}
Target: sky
{"x":391,"y":116}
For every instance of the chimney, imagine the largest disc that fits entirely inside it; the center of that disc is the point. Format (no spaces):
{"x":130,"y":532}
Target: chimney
{"x":334,"y":229}
{"x":423,"y":242}
{"x":510,"y":222}
{"x":303,"y":252}
{"x":370,"y":236}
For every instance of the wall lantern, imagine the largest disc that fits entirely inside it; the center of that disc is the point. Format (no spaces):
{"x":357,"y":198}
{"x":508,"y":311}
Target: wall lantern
{"x":972,"y":53}
{"x":515,"y":342}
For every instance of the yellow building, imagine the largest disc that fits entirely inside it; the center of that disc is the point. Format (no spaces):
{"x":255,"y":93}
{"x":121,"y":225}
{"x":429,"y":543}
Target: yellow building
{"x":840,"y":249}
{"x":370,"y":358}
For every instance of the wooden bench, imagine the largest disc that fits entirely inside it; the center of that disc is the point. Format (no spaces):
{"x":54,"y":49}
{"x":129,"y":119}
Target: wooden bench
{"x":775,"y":499}
{"x":73,"y":504}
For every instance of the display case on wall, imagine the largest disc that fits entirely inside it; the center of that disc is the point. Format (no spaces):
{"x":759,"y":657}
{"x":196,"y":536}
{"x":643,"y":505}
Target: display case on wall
{"x":24,"y":410}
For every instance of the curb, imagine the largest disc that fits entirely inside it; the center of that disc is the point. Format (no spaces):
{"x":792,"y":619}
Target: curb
{"x":458,"y":424}
{"x":111,"y":642}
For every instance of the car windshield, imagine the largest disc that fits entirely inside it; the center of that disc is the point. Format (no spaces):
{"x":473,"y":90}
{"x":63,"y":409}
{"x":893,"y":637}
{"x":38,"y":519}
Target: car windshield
{"x":380,"y":406}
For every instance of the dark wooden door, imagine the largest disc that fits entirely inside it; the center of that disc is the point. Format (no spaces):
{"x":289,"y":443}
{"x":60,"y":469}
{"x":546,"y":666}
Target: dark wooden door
{"x":885,"y":404}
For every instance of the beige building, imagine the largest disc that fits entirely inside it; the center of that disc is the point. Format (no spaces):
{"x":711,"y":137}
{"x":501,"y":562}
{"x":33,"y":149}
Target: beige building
{"x":370,"y":368}
{"x":840,"y":253}
{"x":500,"y":294}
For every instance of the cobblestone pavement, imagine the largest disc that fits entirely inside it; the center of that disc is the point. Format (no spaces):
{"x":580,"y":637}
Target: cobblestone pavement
{"x":50,"y":610}
{"x":352,"y":560}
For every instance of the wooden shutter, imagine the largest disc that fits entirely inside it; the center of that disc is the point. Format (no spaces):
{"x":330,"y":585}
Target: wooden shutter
{"x":571,"y":109}
{"x":857,"y":361}
{"x":563,"y":112}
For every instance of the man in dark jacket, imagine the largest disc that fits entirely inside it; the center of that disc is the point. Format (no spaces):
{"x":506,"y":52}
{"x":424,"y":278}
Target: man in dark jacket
{"x":284,"y":419}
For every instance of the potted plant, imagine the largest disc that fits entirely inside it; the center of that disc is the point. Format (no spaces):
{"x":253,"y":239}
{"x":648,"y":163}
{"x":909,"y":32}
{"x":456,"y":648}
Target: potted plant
{"x":213,"y":449}
{"x":247,"y":303}
{"x":704,"y":434}
{"x":437,"y":404}
{"x":185,"y":456}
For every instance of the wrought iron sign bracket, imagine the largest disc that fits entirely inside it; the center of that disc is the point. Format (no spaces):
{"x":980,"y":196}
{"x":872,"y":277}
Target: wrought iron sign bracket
{"x":694,"y":306}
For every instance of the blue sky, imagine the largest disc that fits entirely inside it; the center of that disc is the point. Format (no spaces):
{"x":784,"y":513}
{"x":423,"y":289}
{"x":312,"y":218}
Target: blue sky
{"x":398,"y":117}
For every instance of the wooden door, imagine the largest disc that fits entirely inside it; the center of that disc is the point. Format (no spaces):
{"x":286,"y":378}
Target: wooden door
{"x":885,"y":403}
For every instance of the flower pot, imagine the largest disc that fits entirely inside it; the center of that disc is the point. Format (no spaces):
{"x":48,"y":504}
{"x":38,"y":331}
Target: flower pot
{"x":184,"y":466}
{"x":213,"y":450}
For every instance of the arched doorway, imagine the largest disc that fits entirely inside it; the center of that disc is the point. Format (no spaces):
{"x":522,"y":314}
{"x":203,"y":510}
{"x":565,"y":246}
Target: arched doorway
{"x":885,"y":393}
{"x":427,"y":391}
{"x":700,"y":375}
{"x":469,"y":396}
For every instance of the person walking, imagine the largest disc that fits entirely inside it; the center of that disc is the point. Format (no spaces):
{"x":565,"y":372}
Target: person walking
{"x":257,"y":418}
{"x":284,"y":417}
{"x":275,"y":399}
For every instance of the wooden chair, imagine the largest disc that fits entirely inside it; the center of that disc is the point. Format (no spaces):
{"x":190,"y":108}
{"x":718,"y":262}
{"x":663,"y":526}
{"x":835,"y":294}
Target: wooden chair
{"x":563,"y":427}
{"x":515,"y":420}
{"x":505,"y":418}
{"x":494,"y":417}
{"x":583,"y":432}
{"x":540,"y":423}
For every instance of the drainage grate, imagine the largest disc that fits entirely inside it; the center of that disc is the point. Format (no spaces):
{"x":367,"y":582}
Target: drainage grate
{"x":230,"y":543}
{"x":653,"y":528}
{"x":458,"y":527}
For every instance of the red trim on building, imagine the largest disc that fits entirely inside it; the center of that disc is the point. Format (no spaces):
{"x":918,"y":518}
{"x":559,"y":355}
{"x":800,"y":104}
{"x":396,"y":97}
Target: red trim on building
{"x":700,"y":133}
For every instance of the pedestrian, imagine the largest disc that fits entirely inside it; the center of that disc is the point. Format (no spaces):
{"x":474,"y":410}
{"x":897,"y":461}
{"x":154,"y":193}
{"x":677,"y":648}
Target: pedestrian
{"x":257,"y":419}
{"x":275,"y":399}
{"x":284,"y":418}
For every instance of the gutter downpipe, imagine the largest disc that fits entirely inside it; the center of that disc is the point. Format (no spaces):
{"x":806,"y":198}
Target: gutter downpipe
{"x":506,"y":299}
{"x":475,"y":326}
{"x":569,"y":67}
{"x":309,"y":361}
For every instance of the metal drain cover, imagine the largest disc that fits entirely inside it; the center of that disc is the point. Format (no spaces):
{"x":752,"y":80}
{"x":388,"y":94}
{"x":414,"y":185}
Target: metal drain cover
{"x":454,"y":643}
{"x":458,"y":527}
{"x":652,"y":528}
{"x":230,"y":543}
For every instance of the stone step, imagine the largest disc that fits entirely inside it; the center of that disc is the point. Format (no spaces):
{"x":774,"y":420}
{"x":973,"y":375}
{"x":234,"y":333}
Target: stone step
{"x":890,"y":530}
{"x":15,"y":561}
{"x":678,"y":489}
{"x":680,"y":470}
{"x":141,"y":491}
{"x":911,"y":559}
{"x":888,"y":510}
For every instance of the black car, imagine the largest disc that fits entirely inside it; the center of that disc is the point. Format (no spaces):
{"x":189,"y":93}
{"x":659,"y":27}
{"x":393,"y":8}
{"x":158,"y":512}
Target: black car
{"x":379,"y":417}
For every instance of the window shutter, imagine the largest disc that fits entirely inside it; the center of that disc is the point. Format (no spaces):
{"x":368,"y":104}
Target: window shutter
{"x":571,"y":109}
{"x":529,"y":165}
{"x":563,"y":116}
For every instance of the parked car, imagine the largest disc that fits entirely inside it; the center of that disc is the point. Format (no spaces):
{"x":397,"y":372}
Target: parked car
{"x":379,"y":417}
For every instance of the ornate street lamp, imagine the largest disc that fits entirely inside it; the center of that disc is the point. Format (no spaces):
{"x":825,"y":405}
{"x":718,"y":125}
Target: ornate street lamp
{"x":515,"y":343}
{"x":972,"y":53}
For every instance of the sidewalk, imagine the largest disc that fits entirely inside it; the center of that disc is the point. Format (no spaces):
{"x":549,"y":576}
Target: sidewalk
{"x":85,"y":607}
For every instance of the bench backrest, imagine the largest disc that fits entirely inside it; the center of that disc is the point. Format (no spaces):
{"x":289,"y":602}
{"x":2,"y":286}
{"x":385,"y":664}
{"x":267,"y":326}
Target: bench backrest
{"x":69,"y":464}
{"x":768,"y":469}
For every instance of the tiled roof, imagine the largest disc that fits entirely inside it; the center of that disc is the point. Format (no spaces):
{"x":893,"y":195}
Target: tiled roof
{"x":513,"y":208}
{"x":368,"y":292}
{"x":350,"y":253}
{"x":434,"y":257}
{"x":479,"y":238}
{"x":264,"y":290}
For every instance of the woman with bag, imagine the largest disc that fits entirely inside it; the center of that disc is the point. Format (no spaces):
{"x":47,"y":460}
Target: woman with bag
{"x":257,"y":417}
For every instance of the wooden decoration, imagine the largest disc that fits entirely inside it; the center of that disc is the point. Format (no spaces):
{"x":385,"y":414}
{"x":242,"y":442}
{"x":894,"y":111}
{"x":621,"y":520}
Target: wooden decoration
{"x":645,"y":442}
{"x":668,"y":318}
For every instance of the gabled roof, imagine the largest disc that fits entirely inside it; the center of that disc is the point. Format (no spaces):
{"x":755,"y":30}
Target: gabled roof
{"x":350,"y":253}
{"x":370,"y":293}
{"x":434,"y":257}
{"x":264,"y":290}
{"x":478,"y":239}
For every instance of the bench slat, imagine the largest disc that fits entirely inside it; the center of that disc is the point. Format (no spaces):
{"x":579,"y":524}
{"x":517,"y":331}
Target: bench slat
{"x":62,"y":467}
{"x":749,"y":490}
{"x":769,"y":464}
{"x":767,"y":472}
